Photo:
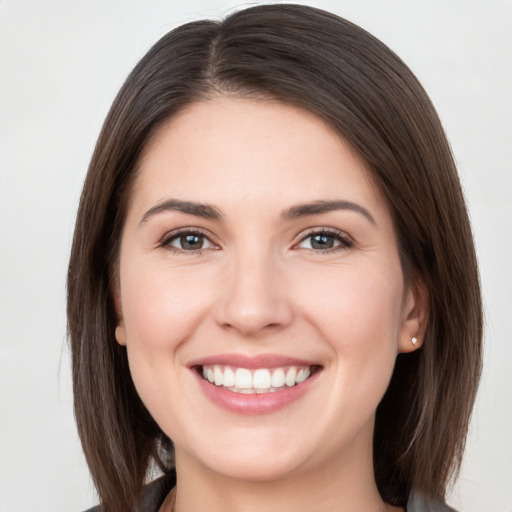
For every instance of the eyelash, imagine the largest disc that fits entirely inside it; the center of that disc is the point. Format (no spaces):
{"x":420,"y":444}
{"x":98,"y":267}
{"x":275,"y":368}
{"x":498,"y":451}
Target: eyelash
{"x":344,"y":241}
{"x":176,"y":235}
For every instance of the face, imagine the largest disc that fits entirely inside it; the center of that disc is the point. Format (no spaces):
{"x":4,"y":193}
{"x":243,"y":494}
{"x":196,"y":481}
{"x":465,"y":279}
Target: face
{"x":261,"y":297}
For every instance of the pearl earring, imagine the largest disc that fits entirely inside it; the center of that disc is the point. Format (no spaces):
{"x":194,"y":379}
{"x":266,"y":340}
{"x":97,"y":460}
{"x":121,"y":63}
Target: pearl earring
{"x":414,"y":340}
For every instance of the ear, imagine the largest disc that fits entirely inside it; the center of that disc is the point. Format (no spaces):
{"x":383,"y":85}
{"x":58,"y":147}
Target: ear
{"x":414,"y":316}
{"x":120,"y":332}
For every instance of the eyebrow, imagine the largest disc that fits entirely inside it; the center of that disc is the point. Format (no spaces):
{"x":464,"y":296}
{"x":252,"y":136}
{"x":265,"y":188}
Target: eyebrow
{"x":206,"y":211}
{"x":198,"y":209}
{"x":318,"y":207}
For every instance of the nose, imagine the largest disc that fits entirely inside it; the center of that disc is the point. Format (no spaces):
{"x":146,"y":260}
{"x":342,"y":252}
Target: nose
{"x":254,"y":300}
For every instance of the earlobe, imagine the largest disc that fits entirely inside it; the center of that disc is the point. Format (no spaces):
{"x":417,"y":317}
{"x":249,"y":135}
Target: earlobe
{"x":415,"y":316}
{"x":120,"y":331}
{"x":120,"y":334}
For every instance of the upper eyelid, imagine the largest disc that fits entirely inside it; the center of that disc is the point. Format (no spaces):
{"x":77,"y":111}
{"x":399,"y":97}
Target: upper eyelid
{"x":325,"y":231}
{"x":346,"y":241}
{"x":170,"y":235}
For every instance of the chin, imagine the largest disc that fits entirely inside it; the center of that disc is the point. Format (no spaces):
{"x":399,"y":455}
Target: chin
{"x":255,"y":458}
{"x":255,"y":469}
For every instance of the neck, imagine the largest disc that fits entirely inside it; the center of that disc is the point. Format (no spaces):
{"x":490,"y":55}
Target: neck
{"x":345,"y":483}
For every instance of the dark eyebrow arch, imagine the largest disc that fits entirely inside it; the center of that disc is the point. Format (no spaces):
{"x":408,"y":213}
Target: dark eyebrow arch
{"x":198,"y":209}
{"x":318,"y":207}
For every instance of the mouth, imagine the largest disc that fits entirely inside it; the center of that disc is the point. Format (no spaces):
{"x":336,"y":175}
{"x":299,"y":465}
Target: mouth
{"x":251,"y":381}
{"x":255,"y":385}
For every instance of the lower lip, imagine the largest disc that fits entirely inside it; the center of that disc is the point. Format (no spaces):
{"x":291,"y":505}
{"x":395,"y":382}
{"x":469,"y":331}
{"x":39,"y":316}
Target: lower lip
{"x":263,"y":403}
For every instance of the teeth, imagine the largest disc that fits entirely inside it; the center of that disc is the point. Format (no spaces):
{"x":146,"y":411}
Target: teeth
{"x":263,"y":380}
{"x":302,"y":375}
{"x":217,"y":375}
{"x":243,"y":379}
{"x":278,"y":378}
{"x":229,"y":377}
{"x":290,"y":376}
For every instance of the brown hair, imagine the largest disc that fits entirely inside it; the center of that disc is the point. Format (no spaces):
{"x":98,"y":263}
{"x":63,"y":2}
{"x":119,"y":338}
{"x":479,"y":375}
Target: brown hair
{"x":327,"y":65}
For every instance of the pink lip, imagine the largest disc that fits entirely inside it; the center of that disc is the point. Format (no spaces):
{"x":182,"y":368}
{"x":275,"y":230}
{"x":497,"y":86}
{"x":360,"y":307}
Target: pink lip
{"x":255,"y":404}
{"x":251,"y":362}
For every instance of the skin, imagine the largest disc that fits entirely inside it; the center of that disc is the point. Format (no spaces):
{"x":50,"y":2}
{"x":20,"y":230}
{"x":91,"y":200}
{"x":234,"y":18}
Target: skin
{"x":260,"y":286}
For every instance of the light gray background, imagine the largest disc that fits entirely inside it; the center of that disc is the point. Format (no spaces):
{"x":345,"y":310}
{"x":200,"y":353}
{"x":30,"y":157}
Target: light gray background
{"x":61,"y":63}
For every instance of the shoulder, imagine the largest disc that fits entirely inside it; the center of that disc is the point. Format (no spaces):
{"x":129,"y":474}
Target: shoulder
{"x":154,"y":494}
{"x":419,"y":503}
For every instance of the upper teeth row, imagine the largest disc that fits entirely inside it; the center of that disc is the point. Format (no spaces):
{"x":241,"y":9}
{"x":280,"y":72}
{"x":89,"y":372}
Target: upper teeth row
{"x":242,"y":378}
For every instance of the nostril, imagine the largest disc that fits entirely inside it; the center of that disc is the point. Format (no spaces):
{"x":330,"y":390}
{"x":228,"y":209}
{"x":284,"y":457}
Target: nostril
{"x":253,"y":305}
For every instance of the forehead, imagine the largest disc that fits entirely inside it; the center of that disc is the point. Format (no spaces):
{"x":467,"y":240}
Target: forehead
{"x":245,"y":151}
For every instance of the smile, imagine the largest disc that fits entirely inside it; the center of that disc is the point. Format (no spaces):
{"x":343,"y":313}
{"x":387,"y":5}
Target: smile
{"x":255,"y":381}
{"x":254,"y":385}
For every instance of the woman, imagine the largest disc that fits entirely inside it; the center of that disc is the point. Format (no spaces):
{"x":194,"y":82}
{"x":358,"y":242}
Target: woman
{"x":273,"y":292}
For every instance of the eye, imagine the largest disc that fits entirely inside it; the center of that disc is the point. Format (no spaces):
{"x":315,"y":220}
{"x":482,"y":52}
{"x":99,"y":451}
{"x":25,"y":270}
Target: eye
{"x":324,"y":241}
{"x":188,"y":241}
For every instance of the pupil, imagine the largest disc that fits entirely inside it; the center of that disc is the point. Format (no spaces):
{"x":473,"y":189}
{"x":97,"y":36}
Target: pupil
{"x":322,"y":242}
{"x":192,"y":242}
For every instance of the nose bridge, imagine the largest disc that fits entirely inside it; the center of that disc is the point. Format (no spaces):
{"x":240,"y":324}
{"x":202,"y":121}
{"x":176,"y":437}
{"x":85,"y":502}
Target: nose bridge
{"x":254,"y":298}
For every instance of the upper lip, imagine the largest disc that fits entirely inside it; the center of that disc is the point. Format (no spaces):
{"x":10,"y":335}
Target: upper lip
{"x":252,"y":361}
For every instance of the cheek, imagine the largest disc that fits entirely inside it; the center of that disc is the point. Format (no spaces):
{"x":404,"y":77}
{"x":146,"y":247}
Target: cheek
{"x":159,"y":308}
{"x":358,"y":311}
{"x":359,"y":317}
